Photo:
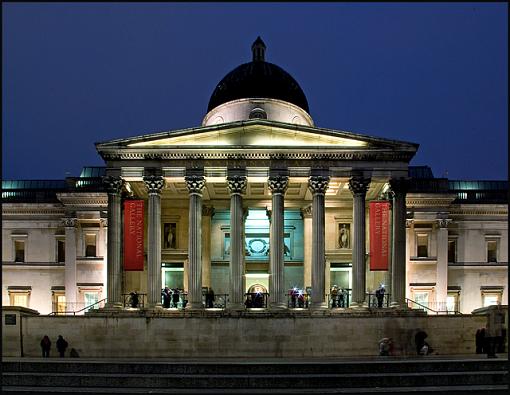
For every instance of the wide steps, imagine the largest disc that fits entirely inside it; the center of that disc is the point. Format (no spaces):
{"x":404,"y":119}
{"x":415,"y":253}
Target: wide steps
{"x":385,"y":375}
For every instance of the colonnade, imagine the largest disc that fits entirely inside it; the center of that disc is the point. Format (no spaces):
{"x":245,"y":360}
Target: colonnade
{"x":237,"y":183}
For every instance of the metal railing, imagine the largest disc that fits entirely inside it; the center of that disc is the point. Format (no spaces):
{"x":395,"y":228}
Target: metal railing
{"x":256,"y":300}
{"x":375,"y":303}
{"x":433,"y":307}
{"x":177,"y":303}
{"x":74,"y":308}
{"x":134,"y":301}
{"x":298,"y":300}
{"x":339,"y":300}
{"x":219,"y":301}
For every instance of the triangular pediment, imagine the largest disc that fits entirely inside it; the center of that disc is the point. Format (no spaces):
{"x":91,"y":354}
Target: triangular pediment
{"x":257,"y":133}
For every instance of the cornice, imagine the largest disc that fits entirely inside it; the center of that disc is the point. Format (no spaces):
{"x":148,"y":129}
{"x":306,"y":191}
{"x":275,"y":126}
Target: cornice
{"x":84,"y":199}
{"x":33,"y":209}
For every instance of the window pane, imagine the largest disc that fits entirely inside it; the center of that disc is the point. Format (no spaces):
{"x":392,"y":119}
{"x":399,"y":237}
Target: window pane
{"x":423,"y":244}
{"x":90,"y":298}
{"x":490,"y":299}
{"x":452,"y":249}
{"x":451,"y":303}
{"x":422,"y":298}
{"x":61,"y":251}
{"x":19,"y":247}
{"x":492,"y":251}
{"x":20,"y":300}
{"x":90,"y":245}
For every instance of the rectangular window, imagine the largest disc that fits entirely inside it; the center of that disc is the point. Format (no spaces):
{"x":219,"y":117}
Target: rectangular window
{"x":490,"y":299}
{"x":59,"y":302}
{"x":19,"y":298}
{"x":452,"y":302}
{"x":422,"y":242}
{"x":61,"y":251}
{"x":452,"y":250}
{"x":90,"y":245}
{"x":90,"y":298}
{"x":422,"y":298}
{"x":19,"y":250}
{"x":492,"y":251}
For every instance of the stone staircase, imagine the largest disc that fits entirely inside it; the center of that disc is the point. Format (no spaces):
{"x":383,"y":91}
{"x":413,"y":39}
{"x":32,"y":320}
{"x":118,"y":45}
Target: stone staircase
{"x":382,"y":375}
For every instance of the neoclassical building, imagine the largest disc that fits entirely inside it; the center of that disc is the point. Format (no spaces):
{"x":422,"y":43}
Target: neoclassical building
{"x":256,"y":199}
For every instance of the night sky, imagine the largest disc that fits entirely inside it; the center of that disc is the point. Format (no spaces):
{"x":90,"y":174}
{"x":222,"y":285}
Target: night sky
{"x":79,"y":73}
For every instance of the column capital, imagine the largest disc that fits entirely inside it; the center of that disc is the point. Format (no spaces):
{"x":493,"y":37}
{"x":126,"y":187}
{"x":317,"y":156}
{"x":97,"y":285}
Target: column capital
{"x":103,"y":222}
{"x":358,"y":185}
{"x":306,"y":212}
{"x":154,"y":184}
{"x":195,"y":184}
{"x":113,"y":184}
{"x":318,"y":184}
{"x":409,"y":222}
{"x":443,"y":222}
{"x":278,"y":184}
{"x":69,"y":222}
{"x":399,"y":185}
{"x":208,"y":211}
{"x":237,"y":184}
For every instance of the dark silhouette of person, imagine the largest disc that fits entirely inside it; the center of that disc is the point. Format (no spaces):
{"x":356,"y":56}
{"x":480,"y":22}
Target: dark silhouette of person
{"x":134,"y":299}
{"x":175,"y":297}
{"x":61,"y":346}
{"x":479,"y":340}
{"x":341,"y":298}
{"x":379,"y":294}
{"x":46,"y":346}
{"x":166,"y":297}
{"x":419,"y":340}
{"x":210,"y":298}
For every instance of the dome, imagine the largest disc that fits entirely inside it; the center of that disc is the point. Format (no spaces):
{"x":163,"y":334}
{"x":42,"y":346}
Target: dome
{"x":258,"y":79}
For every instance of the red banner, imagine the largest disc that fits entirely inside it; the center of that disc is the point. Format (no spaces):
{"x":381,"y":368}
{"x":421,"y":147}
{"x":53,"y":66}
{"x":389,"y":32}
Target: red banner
{"x":379,"y":235}
{"x":133,"y":235}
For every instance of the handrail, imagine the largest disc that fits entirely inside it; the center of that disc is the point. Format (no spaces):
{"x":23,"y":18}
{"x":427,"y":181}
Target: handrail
{"x":77,"y":311}
{"x":432,"y":310}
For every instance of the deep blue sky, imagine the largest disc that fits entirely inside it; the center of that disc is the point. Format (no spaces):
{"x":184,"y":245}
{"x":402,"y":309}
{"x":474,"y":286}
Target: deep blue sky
{"x":74,"y":74}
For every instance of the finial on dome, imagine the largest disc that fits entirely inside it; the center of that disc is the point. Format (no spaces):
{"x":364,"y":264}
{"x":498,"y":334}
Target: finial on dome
{"x":258,"y":49}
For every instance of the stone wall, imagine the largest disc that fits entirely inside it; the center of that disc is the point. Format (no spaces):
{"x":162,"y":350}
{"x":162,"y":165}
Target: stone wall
{"x":184,"y":335}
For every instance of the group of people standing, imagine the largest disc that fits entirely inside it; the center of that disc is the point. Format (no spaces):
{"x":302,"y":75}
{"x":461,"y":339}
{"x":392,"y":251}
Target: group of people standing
{"x":46,"y":346}
{"x":338,"y":296}
{"x":171,"y":297}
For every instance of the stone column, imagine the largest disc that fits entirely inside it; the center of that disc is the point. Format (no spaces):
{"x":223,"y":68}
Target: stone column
{"x":236,"y":186}
{"x":114,"y":263}
{"x":195,"y":184}
{"x":409,"y":248}
{"x":318,"y":186}
{"x":104,"y":248}
{"x":70,"y":264}
{"x":358,"y":187}
{"x":154,"y":185}
{"x":442,"y":263}
{"x":207,"y":213}
{"x":278,"y":186}
{"x":398,"y":270}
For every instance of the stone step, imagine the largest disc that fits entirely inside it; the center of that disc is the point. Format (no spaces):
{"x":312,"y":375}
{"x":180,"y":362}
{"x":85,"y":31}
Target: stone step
{"x":263,"y":381}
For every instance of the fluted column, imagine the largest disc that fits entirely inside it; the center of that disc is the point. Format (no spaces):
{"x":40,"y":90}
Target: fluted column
{"x":154,"y":185}
{"x":70,"y":264}
{"x":236,"y":186}
{"x":113,"y":186}
{"x":398,"y":270}
{"x":278,"y":186}
{"x":318,"y":186}
{"x":195,"y":186}
{"x":358,"y":187}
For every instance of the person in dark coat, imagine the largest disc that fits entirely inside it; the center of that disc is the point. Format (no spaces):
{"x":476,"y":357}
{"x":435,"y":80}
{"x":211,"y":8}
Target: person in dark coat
{"x":479,"y":340}
{"x":46,"y":346}
{"x":379,"y":294}
{"x":134,"y":299}
{"x":61,"y":346}
{"x":166,"y":297}
{"x":175,"y":297}
{"x":210,"y":298}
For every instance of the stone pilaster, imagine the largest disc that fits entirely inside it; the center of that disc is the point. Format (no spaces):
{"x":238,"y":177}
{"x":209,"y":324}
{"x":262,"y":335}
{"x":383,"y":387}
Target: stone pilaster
{"x":442,"y":262}
{"x":358,"y":187}
{"x":237,"y":187}
{"x":70,"y":264}
{"x":113,"y":186}
{"x":278,"y":186}
{"x":195,"y":186}
{"x":154,"y":185}
{"x":306,"y":214}
{"x":398,"y":270}
{"x":318,"y":186}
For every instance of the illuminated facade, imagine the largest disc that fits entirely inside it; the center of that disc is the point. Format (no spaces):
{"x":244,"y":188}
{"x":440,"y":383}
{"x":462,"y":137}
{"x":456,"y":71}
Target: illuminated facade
{"x":256,"y":199}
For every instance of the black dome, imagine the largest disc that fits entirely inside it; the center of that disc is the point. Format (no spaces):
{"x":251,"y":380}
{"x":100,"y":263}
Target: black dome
{"x":258,"y":79}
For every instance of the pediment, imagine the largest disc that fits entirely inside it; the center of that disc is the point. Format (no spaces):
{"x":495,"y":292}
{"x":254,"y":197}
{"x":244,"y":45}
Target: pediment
{"x":259,"y":133}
